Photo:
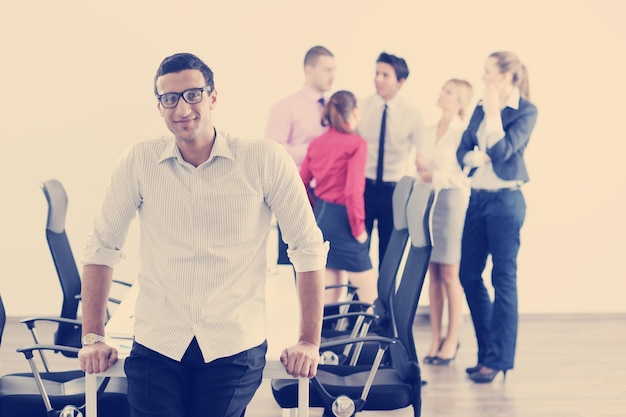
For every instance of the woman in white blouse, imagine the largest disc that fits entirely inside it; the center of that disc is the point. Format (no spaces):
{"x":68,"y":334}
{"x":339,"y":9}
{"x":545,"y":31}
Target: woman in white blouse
{"x":437,"y":164}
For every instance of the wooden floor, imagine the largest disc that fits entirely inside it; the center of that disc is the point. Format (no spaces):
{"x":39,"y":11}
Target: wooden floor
{"x":567,"y":366}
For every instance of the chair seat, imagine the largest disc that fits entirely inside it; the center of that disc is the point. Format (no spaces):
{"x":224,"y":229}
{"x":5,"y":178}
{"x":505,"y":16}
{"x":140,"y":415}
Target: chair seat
{"x":388,"y":391}
{"x":19,"y":394}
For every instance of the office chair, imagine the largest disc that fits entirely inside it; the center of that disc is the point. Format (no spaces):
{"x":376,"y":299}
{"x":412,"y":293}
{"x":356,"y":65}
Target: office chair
{"x":49,"y":394}
{"x":345,"y":390}
{"x":68,"y":332}
{"x":378,"y":322}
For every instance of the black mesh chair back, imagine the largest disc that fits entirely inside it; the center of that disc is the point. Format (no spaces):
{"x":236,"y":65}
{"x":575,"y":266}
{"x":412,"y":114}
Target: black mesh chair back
{"x":407,"y":295}
{"x":64,"y":261}
{"x":395,"y":385}
{"x":3,"y":319}
{"x":390,"y":264}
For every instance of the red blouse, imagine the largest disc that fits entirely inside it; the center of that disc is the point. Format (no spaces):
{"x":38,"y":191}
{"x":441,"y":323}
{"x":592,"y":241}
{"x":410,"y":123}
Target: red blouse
{"x":336,"y":161}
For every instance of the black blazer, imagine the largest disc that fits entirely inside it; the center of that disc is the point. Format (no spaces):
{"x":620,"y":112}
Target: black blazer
{"x":507,"y":156}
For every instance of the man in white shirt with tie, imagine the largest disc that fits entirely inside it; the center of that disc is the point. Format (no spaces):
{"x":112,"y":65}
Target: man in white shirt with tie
{"x":391,"y":120}
{"x":205,"y":201}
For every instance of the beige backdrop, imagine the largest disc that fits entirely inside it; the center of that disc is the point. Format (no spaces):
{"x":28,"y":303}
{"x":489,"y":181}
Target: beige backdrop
{"x":76,"y":90}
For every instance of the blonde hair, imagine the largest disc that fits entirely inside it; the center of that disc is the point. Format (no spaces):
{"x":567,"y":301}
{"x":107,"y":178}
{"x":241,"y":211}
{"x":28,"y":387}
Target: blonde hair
{"x":509,"y":62}
{"x":464,"y":92}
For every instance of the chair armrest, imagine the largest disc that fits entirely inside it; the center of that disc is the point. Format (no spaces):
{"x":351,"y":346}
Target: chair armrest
{"x":28,"y":350}
{"x":115,"y":300}
{"x":357,"y":303}
{"x":367,"y":316}
{"x":30,"y":321}
{"x":350,"y":287}
{"x":386,"y":341}
{"x":329,"y":400}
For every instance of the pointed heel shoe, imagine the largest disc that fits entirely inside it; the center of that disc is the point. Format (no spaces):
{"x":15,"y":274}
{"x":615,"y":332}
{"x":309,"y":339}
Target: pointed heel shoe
{"x":446,"y":361}
{"x":428,"y":360}
{"x":486,"y":378}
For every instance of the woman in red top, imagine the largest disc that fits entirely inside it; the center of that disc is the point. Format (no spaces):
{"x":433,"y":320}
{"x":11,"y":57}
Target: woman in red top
{"x":336,"y":161}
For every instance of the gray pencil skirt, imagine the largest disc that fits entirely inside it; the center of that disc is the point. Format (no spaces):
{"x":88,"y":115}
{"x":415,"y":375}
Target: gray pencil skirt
{"x":448,"y":220}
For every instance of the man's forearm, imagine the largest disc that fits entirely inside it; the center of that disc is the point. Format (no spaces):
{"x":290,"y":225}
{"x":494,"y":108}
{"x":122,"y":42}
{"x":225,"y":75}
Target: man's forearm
{"x":96,"y":286}
{"x":311,"y":294}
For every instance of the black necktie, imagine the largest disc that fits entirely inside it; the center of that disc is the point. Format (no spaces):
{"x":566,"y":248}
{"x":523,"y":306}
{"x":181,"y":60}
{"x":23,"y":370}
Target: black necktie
{"x":381,"y":147}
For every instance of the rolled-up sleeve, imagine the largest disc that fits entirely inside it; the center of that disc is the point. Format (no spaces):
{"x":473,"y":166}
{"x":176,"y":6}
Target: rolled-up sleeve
{"x":118,"y":208}
{"x":286,"y":195}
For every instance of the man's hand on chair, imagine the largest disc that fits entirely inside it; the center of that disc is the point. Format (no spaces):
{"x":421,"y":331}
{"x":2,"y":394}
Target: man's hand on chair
{"x":301,"y":360}
{"x":97,"y":357}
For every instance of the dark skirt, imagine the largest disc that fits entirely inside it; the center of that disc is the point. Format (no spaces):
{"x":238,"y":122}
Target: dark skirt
{"x":345,"y":253}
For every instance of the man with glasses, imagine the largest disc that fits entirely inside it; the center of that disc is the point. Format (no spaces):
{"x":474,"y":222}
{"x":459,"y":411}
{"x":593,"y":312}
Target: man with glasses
{"x":205,"y":201}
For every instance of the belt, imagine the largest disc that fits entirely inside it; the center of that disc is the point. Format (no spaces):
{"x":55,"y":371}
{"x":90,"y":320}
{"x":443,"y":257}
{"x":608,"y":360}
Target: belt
{"x":380,"y":183}
{"x":497,"y":190}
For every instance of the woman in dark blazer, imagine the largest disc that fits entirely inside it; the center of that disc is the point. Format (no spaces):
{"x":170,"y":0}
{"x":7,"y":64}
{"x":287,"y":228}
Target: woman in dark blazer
{"x":492,"y":154}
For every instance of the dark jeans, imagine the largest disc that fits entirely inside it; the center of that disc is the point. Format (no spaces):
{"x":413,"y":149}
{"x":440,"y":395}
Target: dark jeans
{"x":162,"y":387}
{"x":492,"y":227}
{"x":379,"y":206}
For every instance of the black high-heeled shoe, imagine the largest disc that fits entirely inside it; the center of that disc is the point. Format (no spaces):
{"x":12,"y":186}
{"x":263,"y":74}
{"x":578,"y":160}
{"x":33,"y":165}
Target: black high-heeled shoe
{"x":428,"y":360}
{"x":485,"y":378}
{"x":473,"y":369}
{"x":439,"y":361}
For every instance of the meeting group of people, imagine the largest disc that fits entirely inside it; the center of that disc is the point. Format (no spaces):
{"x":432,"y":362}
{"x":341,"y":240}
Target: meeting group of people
{"x":326,"y":171}
{"x":350,"y":154}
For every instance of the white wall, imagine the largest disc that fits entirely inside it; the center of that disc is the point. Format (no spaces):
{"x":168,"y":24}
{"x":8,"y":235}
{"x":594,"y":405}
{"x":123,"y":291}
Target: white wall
{"x":77,"y":90}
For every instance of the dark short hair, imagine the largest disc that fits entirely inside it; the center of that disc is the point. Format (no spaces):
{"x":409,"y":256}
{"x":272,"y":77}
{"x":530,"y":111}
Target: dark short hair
{"x":312,"y":55}
{"x":184,"y":61}
{"x":399,"y":65}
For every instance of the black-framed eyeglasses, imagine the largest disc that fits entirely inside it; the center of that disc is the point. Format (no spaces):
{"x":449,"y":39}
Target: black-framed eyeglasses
{"x":191,"y":96}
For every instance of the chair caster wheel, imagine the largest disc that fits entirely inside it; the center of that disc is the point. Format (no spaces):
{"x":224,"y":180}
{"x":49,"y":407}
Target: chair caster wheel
{"x":343,"y":406}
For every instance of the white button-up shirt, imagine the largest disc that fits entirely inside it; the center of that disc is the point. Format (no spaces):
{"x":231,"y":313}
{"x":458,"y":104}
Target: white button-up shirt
{"x":403,"y":127}
{"x":203,"y":241}
{"x":441,"y":155}
{"x":490,"y":131}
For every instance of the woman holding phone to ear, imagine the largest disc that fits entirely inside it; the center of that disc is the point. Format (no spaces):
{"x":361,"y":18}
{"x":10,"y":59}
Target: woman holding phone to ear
{"x":492,"y":152}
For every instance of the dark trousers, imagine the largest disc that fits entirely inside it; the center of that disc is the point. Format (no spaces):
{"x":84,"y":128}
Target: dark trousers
{"x":162,"y":387}
{"x":283,"y":258}
{"x":379,"y":207}
{"x":492,"y":227}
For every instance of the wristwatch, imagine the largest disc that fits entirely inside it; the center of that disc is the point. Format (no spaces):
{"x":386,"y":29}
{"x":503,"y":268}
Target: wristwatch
{"x":91,"y":338}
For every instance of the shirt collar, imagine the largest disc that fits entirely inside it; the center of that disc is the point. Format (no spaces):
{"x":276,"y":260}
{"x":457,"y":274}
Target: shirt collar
{"x":512,"y":100}
{"x":393,"y":102}
{"x":456,"y":122}
{"x":311,"y":94}
{"x":220,"y":149}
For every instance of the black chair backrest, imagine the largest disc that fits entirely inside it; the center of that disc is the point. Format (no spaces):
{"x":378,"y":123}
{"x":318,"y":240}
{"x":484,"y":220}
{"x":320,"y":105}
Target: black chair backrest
{"x":390,"y":264}
{"x":63,"y":257}
{"x":3,"y":319}
{"x":406,"y":297}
